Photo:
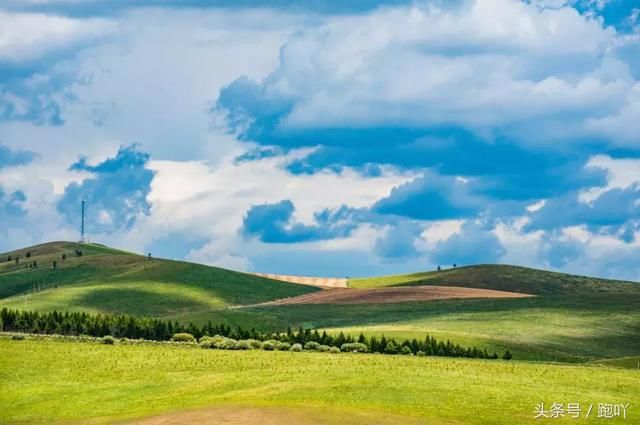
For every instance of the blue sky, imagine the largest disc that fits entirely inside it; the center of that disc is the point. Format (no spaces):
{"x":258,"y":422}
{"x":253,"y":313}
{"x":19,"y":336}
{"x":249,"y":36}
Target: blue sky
{"x":334,"y":139}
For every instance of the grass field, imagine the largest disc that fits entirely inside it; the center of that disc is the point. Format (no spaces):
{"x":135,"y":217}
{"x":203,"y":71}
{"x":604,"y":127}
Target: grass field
{"x":541,"y":328}
{"x":107,"y":280}
{"x":48,"y":382}
{"x":504,"y":278}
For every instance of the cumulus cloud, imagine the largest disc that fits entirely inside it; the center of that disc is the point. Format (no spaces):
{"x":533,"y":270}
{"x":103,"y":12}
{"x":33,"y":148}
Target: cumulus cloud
{"x":11,"y":204}
{"x":431,"y":197}
{"x":116,"y":191}
{"x":559,"y":250}
{"x":29,"y":36}
{"x":492,"y":66}
{"x":399,"y":241}
{"x":613,"y":207}
{"x":475,"y":243}
{"x":10,"y":157}
{"x":272,"y":223}
{"x":372,"y":127}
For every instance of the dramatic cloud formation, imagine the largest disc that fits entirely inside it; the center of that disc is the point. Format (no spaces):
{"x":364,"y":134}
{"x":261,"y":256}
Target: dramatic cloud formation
{"x":116,"y":191}
{"x":331,"y":138}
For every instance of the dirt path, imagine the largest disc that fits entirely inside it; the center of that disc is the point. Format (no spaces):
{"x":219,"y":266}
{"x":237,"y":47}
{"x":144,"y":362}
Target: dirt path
{"x":274,"y":416}
{"x":320,"y":282}
{"x":393,"y":295}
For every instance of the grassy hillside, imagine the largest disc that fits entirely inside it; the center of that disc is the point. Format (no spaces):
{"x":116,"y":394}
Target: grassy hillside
{"x":574,"y":329}
{"x":108,"y":280}
{"x":573,"y":318}
{"x":504,"y":278}
{"x":47,"y":382}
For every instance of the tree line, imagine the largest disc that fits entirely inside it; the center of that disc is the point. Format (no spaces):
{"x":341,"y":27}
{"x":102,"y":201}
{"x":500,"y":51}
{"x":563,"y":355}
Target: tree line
{"x":126,"y":326}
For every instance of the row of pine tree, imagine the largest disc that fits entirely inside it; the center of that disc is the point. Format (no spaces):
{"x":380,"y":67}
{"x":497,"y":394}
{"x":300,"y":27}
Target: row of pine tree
{"x":125,"y":326}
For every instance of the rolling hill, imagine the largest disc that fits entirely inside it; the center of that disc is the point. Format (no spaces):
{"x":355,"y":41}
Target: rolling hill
{"x":106,"y":280}
{"x":568,"y":318}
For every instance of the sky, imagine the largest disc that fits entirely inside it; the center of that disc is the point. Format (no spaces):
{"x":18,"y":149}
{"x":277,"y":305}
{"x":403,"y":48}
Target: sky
{"x":326,"y":138}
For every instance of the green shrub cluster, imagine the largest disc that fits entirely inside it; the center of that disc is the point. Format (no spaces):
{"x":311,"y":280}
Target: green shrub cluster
{"x":354,"y":347}
{"x":183,"y":337}
{"x":108,"y":339}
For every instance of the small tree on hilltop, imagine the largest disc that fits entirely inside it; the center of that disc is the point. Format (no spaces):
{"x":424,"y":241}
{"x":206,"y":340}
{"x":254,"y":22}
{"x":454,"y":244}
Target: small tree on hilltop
{"x":28,"y":254}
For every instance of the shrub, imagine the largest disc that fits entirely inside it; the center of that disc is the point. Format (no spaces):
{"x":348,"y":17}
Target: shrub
{"x":311,"y":345}
{"x":206,"y":342}
{"x":324,"y":348}
{"x":406,"y":351}
{"x":219,"y":342}
{"x":183,"y":337}
{"x":420,"y":354}
{"x":296,"y":347}
{"x":108,"y":339}
{"x":507,"y":355}
{"x":244,"y":344}
{"x":355,"y":347}
{"x":268,"y":346}
{"x":227,"y":344}
{"x":334,"y":350}
{"x":254,"y":343}
{"x":283,"y":346}
{"x":18,"y":337}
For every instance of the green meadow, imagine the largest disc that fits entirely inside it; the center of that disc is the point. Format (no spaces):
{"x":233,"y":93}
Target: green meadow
{"x":576,"y":340}
{"x":61,"y":382}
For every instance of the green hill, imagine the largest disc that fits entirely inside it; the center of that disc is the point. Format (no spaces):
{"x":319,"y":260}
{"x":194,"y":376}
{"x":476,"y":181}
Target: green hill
{"x":107,"y":280}
{"x":504,"y":278}
{"x":572,"y":318}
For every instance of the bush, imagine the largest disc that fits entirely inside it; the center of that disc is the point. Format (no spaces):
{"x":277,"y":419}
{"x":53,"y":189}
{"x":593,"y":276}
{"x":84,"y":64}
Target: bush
{"x":296,"y":347}
{"x":206,"y":342}
{"x":507,"y":355}
{"x":244,"y":344}
{"x":420,"y":354}
{"x":254,"y":343}
{"x":227,"y":344}
{"x":324,"y":348}
{"x":355,"y":347}
{"x":219,"y":342}
{"x":311,"y":346}
{"x":268,"y":346}
{"x":334,"y":350}
{"x":283,"y":346}
{"x":108,"y":339}
{"x":406,"y":351}
{"x":183,"y":337}
{"x":18,"y":337}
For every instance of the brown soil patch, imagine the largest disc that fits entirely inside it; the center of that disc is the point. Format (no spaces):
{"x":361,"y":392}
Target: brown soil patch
{"x":321,"y":282}
{"x":275,"y":416}
{"x":394,"y":295}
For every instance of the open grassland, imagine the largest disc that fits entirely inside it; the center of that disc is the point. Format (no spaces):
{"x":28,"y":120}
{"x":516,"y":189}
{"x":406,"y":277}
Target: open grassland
{"x":538,"y":328}
{"x":54,"y":382}
{"x":111,"y":281}
{"x":504,"y":278}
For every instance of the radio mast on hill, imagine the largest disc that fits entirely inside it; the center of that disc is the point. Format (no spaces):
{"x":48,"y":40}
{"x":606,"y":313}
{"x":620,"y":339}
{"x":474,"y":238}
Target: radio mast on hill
{"x":83,"y":202}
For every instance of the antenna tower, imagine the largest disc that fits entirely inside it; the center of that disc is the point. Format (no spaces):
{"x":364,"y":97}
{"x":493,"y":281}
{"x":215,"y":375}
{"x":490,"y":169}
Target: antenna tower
{"x":83,"y":202}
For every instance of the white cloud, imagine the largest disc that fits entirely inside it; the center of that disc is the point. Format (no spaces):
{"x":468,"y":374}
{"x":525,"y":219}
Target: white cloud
{"x":28,"y":36}
{"x":539,"y":75}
